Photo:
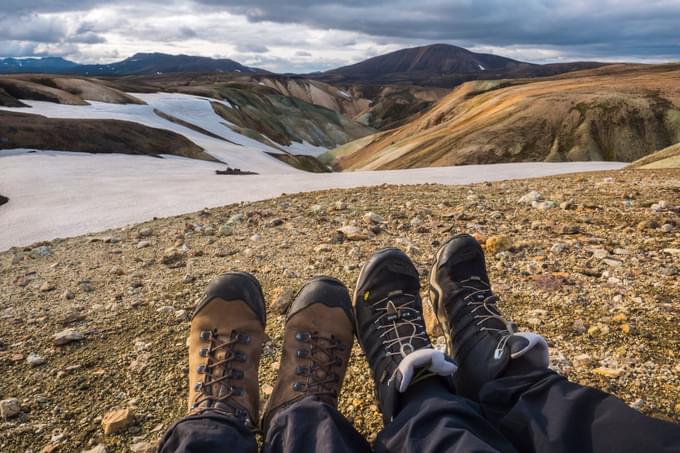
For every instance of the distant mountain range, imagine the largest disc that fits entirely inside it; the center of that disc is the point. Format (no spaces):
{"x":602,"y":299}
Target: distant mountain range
{"x":437,"y":65}
{"x":441,"y":65}
{"x":138,"y":64}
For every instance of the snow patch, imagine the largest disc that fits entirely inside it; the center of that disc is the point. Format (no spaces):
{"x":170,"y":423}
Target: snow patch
{"x":481,"y":67}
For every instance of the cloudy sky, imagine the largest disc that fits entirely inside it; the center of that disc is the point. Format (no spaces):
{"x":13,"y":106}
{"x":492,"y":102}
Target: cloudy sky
{"x":307,"y":35}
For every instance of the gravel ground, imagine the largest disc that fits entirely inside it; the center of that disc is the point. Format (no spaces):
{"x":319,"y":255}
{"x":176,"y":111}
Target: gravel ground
{"x":592,"y":264}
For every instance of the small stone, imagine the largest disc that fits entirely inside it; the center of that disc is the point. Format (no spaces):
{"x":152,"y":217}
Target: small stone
{"x":566,"y":205}
{"x":275,"y":222}
{"x":117,"y":420}
{"x":544,"y":205}
{"x":608,"y":372}
{"x":579,"y":327}
{"x":530,"y":198}
{"x":416,"y":221}
{"x":600,"y":253}
{"x":9,"y":408}
{"x":582,"y":361}
{"x":267,"y":389}
{"x":67,"y":336}
{"x":226,"y":230}
{"x":117,"y":270}
{"x":498,"y":243}
{"x":372,"y":218}
{"x":181,"y":315}
{"x":558,"y":247}
{"x":255,"y":237}
{"x":612,"y":263}
{"x":281,"y":300}
{"x":165,"y":309}
{"x":143,"y":447}
{"x":47,"y":286}
{"x":172,"y":256}
{"x":647,"y":225}
{"x":68,"y":295}
{"x":666,"y":228}
{"x":340,"y":205}
{"x":674,"y":252}
{"x":353,"y":233}
{"x":637,"y":404}
{"x":323,"y":248}
{"x":42,"y":251}
{"x":316,"y":209}
{"x":35,"y":360}
{"x":96,"y":449}
{"x":86,"y":287}
{"x":144,"y":233}
{"x":143,"y":244}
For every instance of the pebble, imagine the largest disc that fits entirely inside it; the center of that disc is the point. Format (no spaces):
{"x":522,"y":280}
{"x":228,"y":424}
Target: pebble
{"x":372,"y":218}
{"x":353,"y":233}
{"x":225,"y":230}
{"x":9,"y":408}
{"x":236,"y":218}
{"x":316,"y":209}
{"x":530,"y":198}
{"x":41,"y":251}
{"x":67,"y":336}
{"x":608,"y":372}
{"x":143,"y":244}
{"x":144,"y":233}
{"x":143,"y":447}
{"x":666,"y":228}
{"x":579,"y":327}
{"x":96,"y":449}
{"x":498,"y":243}
{"x":255,"y":237}
{"x":275,"y":222}
{"x":558,"y":247}
{"x":35,"y":360}
{"x":281,"y":299}
{"x":47,"y":286}
{"x":117,"y":420}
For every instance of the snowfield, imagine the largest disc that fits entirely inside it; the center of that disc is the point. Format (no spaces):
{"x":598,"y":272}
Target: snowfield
{"x":62,"y":194}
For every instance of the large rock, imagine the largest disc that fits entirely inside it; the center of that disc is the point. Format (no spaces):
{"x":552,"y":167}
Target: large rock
{"x":67,"y":336}
{"x":117,"y":420}
{"x":9,"y":408}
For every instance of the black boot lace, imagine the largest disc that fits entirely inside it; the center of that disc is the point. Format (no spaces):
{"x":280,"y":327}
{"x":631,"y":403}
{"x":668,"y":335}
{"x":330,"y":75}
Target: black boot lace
{"x":321,"y":352}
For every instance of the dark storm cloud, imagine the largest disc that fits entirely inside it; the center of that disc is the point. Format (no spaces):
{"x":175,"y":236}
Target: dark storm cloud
{"x":603,"y":27}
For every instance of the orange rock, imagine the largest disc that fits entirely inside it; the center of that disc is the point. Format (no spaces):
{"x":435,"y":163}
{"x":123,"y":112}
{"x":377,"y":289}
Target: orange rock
{"x":117,"y":420}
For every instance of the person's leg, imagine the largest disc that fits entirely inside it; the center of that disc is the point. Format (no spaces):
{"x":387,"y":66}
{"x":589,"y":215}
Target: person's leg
{"x":506,"y":371}
{"x":225,"y":342}
{"x":301,"y":415}
{"x":420,"y":411}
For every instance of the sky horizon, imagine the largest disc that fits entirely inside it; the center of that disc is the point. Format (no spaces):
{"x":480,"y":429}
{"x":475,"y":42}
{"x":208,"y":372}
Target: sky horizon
{"x":306,"y":36}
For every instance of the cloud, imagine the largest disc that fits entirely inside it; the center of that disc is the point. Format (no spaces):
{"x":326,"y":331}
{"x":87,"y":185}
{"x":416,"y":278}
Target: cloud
{"x":300,"y":35}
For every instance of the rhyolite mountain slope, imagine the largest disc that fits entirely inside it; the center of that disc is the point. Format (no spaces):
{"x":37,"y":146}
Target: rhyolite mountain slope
{"x":619,"y":113}
{"x":665,"y":158}
{"x":441,"y":65}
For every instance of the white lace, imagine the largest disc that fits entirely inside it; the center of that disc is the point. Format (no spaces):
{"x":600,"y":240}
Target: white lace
{"x":491,"y":299}
{"x":403,"y":343}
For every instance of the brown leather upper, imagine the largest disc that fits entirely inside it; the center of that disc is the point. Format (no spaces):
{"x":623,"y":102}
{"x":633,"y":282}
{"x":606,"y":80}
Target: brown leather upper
{"x":324,"y":335}
{"x":225,"y":344}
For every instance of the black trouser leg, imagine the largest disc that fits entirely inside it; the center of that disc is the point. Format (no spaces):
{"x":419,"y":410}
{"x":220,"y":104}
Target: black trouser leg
{"x":542,"y":412}
{"x":437,"y":420}
{"x":311,"y":425}
{"x":207,"y":433}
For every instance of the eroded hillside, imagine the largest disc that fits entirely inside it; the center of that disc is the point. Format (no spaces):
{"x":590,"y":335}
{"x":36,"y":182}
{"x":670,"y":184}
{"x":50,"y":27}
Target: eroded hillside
{"x":613,"y":113}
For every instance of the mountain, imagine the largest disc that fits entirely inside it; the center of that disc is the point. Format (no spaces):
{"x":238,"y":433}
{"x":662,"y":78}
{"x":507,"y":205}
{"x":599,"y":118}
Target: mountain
{"x":441,"y":65}
{"x":47,"y":65}
{"x":617,"y":113}
{"x":141,"y":63}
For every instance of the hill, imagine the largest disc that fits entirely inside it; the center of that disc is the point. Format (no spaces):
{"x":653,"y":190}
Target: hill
{"x":665,"y":158}
{"x":607,"y":302}
{"x":140,"y":63}
{"x":612,"y":113}
{"x":441,"y":65}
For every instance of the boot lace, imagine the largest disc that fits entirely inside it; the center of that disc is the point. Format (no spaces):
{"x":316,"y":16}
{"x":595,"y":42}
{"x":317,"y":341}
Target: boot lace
{"x":482,"y":302}
{"x":322,"y":354}
{"x":219,"y":372}
{"x":400,"y":323}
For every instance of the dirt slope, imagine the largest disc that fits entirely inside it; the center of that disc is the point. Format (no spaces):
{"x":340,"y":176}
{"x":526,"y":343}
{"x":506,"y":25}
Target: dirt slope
{"x":59,"y":89}
{"x":666,"y":158}
{"x":20,"y":130}
{"x":612,"y":113}
{"x":599,"y":280}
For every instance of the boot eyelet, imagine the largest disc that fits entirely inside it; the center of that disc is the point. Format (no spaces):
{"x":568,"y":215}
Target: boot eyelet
{"x":205,"y":335}
{"x":301,"y":370}
{"x":236,"y":391}
{"x":200,"y":369}
{"x":243,"y":338}
{"x":204,"y":352}
{"x":301,"y":353}
{"x":298,"y":387}
{"x":338,"y":361}
{"x":302,"y":336}
{"x":240,"y":356}
{"x":236,"y":374}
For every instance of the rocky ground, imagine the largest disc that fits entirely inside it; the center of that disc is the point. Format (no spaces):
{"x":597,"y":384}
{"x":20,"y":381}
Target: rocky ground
{"x":98,"y":323}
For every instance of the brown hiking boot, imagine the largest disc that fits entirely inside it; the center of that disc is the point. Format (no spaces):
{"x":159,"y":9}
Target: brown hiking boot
{"x":227,"y":331}
{"x":317,"y":343}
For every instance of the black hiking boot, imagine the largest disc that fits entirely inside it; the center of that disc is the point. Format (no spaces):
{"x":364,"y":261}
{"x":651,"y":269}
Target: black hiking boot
{"x":391,"y":329}
{"x":481,"y":341}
